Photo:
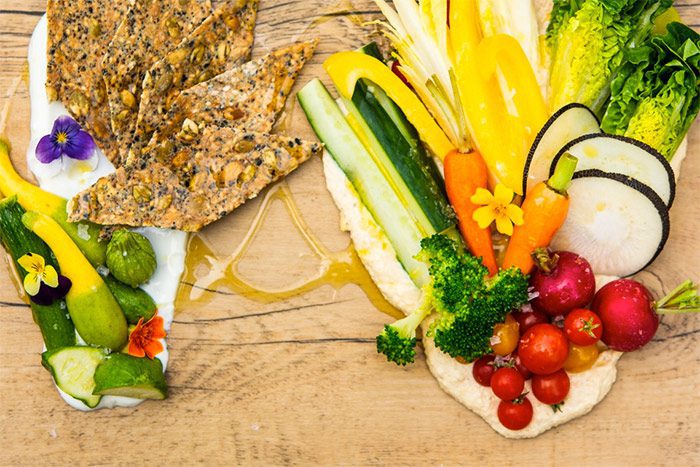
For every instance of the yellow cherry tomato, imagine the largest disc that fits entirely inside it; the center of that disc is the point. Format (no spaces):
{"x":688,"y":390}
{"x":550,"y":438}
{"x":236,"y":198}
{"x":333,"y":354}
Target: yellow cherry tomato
{"x":581,"y":358}
{"x":506,"y":336}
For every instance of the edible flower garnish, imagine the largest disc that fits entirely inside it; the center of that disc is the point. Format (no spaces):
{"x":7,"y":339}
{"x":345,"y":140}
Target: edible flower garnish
{"x":66,"y":139}
{"x":498,"y":207}
{"x":143,"y":340}
{"x":42,"y":283}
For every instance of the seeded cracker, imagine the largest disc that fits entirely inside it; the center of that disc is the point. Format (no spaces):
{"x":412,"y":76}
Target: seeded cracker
{"x":249,"y":97}
{"x":193,"y":184}
{"x":79,"y":32}
{"x":222,"y":41}
{"x":149,"y":31}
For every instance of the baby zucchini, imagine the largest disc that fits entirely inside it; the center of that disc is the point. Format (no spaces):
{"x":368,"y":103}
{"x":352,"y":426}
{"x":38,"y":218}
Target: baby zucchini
{"x":94,"y":311}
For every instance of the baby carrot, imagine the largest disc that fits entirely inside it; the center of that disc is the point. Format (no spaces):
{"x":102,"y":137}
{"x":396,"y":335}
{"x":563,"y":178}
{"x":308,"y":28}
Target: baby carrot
{"x":544,"y":211}
{"x":464,"y":173}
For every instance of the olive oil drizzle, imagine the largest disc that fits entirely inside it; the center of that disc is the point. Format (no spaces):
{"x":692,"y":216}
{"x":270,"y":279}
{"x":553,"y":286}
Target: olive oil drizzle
{"x":337,"y":268}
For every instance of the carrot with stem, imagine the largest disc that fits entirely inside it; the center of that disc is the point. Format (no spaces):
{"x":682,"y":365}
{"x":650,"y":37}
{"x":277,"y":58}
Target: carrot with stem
{"x":544,"y":211}
{"x":464,"y":173}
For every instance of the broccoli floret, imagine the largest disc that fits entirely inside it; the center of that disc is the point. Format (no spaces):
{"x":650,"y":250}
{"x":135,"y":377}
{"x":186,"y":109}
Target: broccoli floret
{"x":398,"y":340}
{"x":469,"y":304}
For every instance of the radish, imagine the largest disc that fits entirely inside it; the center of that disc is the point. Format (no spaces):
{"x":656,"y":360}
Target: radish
{"x":563,"y":281}
{"x":631,"y":317}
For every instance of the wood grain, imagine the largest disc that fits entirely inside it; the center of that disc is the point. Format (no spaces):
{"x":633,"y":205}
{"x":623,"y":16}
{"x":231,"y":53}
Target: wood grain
{"x":299,"y":382}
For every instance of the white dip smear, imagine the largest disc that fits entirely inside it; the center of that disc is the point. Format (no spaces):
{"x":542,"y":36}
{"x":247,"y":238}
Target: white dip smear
{"x":169,"y":245}
{"x":587,"y":388}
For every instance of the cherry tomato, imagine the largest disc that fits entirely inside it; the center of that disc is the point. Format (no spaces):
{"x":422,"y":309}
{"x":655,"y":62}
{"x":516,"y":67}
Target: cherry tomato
{"x":518,"y":365}
{"x":581,"y":358}
{"x":527,"y":319}
{"x":583,"y":327}
{"x":483,"y":369}
{"x":507,"y":383}
{"x":515,"y":415}
{"x":551,"y":389}
{"x":543,"y":349}
{"x":507,"y":335}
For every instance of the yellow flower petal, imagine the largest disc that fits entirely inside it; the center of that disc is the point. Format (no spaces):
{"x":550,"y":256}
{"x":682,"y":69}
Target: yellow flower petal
{"x":32,"y":282}
{"x":504,"y":225}
{"x":515,"y":214}
{"x":50,"y":276}
{"x":32,"y":263}
{"x":481,"y":196}
{"x":502,"y":194}
{"x":484,"y":216}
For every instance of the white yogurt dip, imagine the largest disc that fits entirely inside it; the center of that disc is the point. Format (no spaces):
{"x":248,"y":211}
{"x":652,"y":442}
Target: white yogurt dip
{"x":169,"y":245}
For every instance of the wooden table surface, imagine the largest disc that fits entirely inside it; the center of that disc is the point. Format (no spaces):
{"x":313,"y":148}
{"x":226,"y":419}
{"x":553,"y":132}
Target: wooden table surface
{"x":299,"y":381}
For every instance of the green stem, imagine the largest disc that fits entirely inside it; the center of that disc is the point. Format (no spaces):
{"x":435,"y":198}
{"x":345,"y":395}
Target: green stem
{"x":563,"y":172}
{"x":682,"y":299}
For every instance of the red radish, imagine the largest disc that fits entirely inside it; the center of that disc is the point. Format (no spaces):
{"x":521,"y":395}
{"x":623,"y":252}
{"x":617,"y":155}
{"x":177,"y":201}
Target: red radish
{"x":630,"y":315}
{"x":563,"y":281}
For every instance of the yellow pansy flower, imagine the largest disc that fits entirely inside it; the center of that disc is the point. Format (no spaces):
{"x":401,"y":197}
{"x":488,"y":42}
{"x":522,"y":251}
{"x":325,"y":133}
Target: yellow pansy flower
{"x":497,"y":207}
{"x":37,"y":272}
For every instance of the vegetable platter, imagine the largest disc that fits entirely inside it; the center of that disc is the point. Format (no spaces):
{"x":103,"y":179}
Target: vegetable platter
{"x":300,"y":381}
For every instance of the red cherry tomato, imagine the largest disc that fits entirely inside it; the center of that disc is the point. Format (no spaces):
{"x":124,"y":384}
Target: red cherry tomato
{"x":551,"y":389}
{"x":507,"y":383}
{"x":515,"y":415}
{"x":583,"y":327}
{"x":518,"y":365}
{"x":527,"y":319}
{"x":543,"y":349}
{"x":483,"y":370}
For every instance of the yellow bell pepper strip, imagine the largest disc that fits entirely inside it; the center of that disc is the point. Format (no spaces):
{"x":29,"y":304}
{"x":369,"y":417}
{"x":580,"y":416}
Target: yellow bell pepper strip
{"x":503,"y":53}
{"x":92,"y":307}
{"x":33,"y":198}
{"x":465,"y":31}
{"x":346,"y":68}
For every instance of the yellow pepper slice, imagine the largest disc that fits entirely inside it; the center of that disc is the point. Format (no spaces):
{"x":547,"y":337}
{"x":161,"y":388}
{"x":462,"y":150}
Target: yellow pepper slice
{"x":503,"y":52}
{"x":346,"y":68}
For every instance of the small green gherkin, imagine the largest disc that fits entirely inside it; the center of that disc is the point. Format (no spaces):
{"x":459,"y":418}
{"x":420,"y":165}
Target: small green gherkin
{"x":130,"y":257}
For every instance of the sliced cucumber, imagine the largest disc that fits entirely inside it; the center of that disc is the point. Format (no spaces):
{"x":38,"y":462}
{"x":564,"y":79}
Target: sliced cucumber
{"x":73,"y":369}
{"x":626,"y":156}
{"x":405,"y":163}
{"x":358,"y":165}
{"x":616,"y":222}
{"x":569,"y":122}
{"x":124,"y":375}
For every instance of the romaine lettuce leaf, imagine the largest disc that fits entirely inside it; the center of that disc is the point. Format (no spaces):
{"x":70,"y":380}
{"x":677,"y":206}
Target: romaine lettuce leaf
{"x":655,"y":95}
{"x":587,"y":39}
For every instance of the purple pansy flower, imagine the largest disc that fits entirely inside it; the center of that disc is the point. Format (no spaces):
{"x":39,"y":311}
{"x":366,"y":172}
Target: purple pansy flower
{"x":66,"y":138}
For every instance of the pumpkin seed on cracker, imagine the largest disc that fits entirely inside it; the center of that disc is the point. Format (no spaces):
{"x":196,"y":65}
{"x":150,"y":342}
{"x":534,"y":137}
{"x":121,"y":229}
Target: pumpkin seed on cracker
{"x":249,"y":96}
{"x":150,"y":29}
{"x":222,"y":41}
{"x":192,"y":185}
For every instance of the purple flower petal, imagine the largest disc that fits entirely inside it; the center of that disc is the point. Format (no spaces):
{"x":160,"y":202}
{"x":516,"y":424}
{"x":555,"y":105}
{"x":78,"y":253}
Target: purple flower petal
{"x":47,"y":151}
{"x":47,"y":295}
{"x":65,"y":124}
{"x":79,"y":145}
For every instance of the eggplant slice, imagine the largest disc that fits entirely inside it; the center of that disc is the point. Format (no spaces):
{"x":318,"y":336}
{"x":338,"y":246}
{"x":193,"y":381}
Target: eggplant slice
{"x":569,"y":122}
{"x":626,"y":156}
{"x":616,"y":222}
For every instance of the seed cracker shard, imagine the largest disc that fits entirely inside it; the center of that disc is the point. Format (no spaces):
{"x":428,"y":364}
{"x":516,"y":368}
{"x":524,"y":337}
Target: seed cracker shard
{"x":151,"y":28}
{"x":222,"y":41}
{"x":249,"y":97}
{"x":195,"y":183}
{"x":79,"y":33}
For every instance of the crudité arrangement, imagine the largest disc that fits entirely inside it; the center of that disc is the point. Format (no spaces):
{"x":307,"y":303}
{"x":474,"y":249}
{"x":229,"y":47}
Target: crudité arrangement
{"x":553,"y":146}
